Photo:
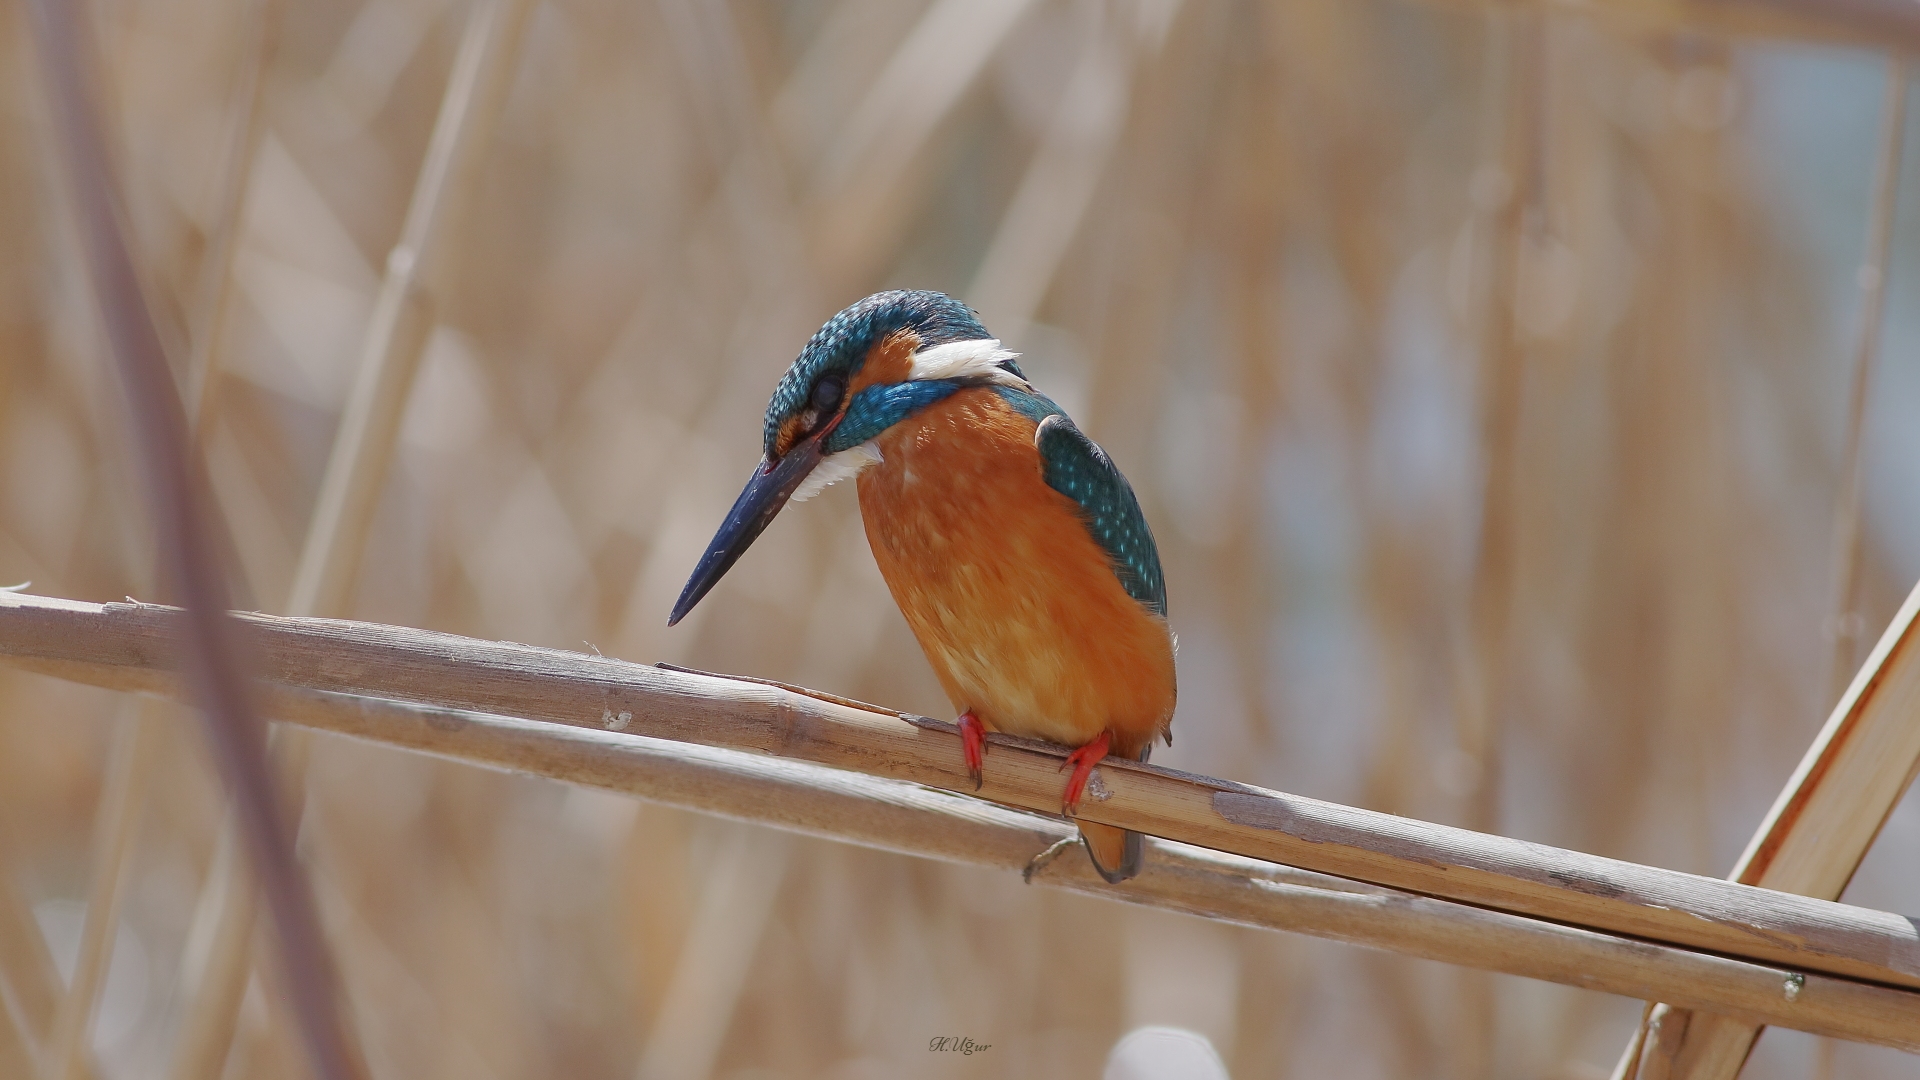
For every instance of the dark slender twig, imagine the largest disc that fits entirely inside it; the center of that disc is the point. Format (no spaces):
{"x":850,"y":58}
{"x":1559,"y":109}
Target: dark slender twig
{"x":211,"y":660}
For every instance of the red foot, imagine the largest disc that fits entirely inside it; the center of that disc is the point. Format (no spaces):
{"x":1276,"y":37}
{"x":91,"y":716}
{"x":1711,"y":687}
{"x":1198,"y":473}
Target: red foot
{"x":973,"y":742}
{"x":1083,"y":760}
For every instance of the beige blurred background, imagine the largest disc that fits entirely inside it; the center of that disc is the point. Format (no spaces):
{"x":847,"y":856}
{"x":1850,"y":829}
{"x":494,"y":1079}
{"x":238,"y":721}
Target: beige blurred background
{"x":1483,"y":372}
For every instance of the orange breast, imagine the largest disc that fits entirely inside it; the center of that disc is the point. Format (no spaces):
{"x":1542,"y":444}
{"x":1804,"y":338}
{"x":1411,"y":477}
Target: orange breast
{"x":1015,"y":605}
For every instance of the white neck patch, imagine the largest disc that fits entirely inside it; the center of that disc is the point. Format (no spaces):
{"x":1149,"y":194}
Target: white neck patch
{"x":834,"y":468}
{"x":977,"y":359}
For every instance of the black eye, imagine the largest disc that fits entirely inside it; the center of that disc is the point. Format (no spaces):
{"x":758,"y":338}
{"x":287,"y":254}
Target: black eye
{"x":826,"y":393}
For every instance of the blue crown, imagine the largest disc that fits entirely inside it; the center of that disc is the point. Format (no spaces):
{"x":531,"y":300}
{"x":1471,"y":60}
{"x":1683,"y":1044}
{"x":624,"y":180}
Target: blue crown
{"x":843,"y":343}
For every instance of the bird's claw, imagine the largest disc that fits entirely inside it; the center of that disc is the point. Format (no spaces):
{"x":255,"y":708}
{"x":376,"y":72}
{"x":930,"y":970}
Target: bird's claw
{"x":1083,"y":760}
{"x":973,"y":743}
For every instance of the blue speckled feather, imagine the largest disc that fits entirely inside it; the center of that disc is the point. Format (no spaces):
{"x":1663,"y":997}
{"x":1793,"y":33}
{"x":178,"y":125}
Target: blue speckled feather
{"x":1076,"y":467}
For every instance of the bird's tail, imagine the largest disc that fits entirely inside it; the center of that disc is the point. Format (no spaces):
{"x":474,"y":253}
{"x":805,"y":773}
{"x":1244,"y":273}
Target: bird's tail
{"x":1116,"y":853}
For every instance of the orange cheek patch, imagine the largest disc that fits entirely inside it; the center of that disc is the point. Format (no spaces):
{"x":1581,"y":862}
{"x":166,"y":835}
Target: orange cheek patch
{"x":788,"y":435}
{"x":887,"y":362}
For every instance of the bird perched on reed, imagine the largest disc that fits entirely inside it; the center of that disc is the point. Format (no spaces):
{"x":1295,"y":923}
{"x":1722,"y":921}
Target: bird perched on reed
{"x":1014,"y":547}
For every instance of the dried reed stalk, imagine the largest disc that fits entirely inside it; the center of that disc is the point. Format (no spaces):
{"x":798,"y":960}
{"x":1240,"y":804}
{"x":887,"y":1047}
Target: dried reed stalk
{"x":736,"y":900}
{"x":1863,"y":760}
{"x":1847,"y":627}
{"x":358,"y":465}
{"x":215,"y":975}
{"x":129,"y":646}
{"x":30,"y":986}
{"x":1046,"y":210}
{"x":1818,"y":831}
{"x":119,"y":820}
{"x":122,"y":803}
{"x":188,"y":546}
{"x":403,"y":312}
{"x":1878,"y":24}
{"x":1510,"y":225}
{"x":247,"y":125}
{"x":906,"y":818}
{"x":16,"y":1055}
{"x":860,"y":185}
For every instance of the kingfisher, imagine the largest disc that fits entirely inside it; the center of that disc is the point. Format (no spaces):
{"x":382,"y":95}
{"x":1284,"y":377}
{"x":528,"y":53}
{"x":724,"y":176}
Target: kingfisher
{"x":1013,"y":546}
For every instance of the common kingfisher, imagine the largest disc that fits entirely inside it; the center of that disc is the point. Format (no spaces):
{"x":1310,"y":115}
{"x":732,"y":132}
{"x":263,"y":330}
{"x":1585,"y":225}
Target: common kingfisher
{"x":1014,"y":547}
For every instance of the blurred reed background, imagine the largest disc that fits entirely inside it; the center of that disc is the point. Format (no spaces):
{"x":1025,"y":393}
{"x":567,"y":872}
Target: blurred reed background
{"x":1483,"y":371}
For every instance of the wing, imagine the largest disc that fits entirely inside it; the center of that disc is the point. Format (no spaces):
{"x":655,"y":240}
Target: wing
{"x":1081,"y":471}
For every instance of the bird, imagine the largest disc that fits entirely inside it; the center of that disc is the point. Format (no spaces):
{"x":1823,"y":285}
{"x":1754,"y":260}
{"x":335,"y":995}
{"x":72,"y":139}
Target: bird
{"x":1015,"y":549}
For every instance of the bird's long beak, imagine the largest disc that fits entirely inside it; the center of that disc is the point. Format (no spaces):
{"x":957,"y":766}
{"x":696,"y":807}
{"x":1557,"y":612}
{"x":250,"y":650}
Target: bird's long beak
{"x":772,"y":485}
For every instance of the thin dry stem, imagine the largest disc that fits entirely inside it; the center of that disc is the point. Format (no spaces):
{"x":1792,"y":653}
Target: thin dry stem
{"x":176,"y":489}
{"x":1859,"y":767}
{"x":1847,"y":626}
{"x":1876,"y":24}
{"x":403,"y":312}
{"x":125,"y":791}
{"x":247,"y":125}
{"x":362,"y":455}
{"x":716,"y":961}
{"x":30,"y":986}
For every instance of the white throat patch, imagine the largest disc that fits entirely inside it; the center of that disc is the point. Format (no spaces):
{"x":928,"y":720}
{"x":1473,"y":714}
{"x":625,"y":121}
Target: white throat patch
{"x":837,"y":467}
{"x":977,"y":359}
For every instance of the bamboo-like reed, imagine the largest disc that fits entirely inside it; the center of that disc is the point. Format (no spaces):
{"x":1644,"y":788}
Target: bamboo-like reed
{"x":119,"y":646}
{"x":913,"y":820}
{"x":903,"y":817}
